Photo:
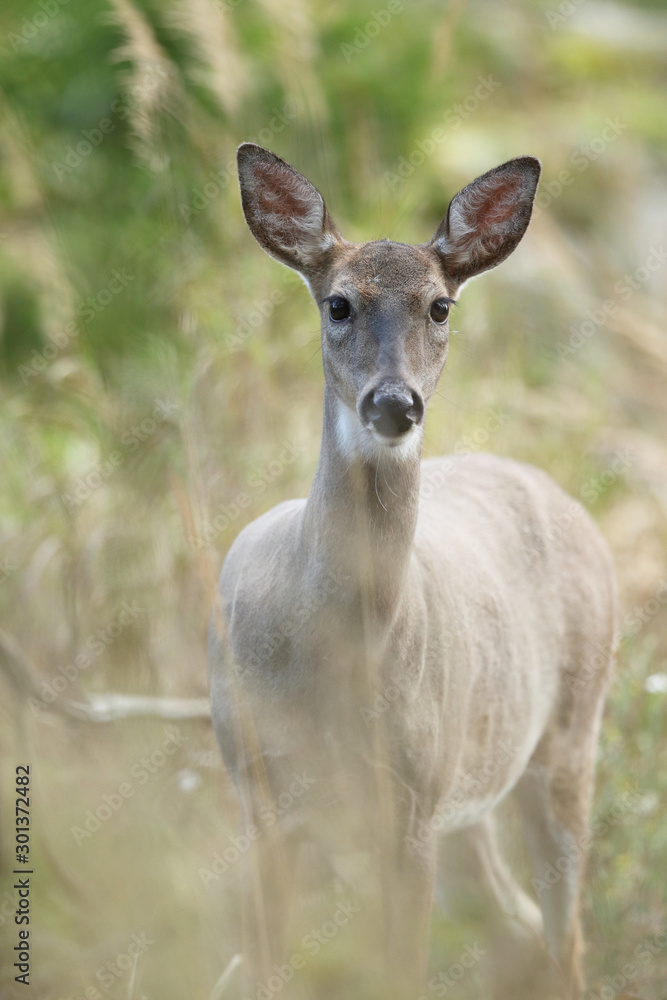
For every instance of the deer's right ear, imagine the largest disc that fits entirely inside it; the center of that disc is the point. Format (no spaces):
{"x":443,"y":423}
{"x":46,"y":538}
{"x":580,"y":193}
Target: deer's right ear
{"x":285,"y":213}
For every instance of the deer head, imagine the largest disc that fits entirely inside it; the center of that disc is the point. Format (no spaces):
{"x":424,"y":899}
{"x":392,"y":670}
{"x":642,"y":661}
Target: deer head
{"x":384,"y":306}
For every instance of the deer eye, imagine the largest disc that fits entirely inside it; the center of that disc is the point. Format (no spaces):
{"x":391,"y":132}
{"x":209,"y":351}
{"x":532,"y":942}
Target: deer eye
{"x":439,"y":310}
{"x":339,"y":309}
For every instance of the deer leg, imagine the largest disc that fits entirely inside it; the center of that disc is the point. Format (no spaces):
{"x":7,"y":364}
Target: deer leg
{"x":268,"y":885}
{"x":476,"y":884}
{"x":554,"y":803}
{"x":472,"y":865}
{"x":407,"y":904}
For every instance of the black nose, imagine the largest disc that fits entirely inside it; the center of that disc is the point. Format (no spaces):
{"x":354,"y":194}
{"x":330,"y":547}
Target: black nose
{"x":392,"y":410}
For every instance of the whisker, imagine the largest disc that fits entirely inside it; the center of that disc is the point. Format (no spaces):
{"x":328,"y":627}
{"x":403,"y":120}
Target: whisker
{"x":385,"y":479}
{"x":451,"y":402}
{"x":376,"y":488}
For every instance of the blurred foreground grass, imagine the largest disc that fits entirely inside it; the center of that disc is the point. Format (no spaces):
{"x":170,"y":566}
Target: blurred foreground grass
{"x":154,"y":365}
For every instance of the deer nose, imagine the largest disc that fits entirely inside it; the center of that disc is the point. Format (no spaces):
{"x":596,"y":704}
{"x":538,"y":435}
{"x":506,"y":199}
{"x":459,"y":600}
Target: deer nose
{"x":392,"y":410}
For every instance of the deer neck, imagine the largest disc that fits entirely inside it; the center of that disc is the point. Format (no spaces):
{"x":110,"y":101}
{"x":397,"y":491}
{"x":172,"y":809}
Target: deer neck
{"x":361,"y":513}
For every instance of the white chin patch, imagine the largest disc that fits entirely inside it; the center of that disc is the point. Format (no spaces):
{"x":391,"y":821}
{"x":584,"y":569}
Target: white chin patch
{"x":357,"y":441}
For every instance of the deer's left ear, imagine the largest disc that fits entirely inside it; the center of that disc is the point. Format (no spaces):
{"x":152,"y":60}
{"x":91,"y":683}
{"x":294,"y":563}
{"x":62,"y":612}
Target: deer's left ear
{"x":487,"y":219}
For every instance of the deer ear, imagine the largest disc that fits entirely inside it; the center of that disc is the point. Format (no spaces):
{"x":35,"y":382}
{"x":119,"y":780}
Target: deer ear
{"x":285,"y":213}
{"x":487,"y":219}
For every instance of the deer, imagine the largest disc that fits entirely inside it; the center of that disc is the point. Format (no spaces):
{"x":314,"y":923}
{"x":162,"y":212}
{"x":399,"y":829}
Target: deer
{"x":455,"y":586}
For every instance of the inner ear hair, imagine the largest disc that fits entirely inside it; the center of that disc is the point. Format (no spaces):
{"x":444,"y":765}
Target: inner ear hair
{"x":284,"y":211}
{"x":487,"y":219}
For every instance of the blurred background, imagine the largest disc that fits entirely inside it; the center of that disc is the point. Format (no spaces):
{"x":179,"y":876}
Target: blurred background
{"x":156,"y":368}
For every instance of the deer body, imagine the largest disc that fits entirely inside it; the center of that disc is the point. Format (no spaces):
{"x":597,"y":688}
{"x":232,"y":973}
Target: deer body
{"x":443,"y":583}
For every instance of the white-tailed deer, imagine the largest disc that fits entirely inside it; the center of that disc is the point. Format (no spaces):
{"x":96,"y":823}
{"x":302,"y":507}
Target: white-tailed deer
{"x":460,"y":594}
